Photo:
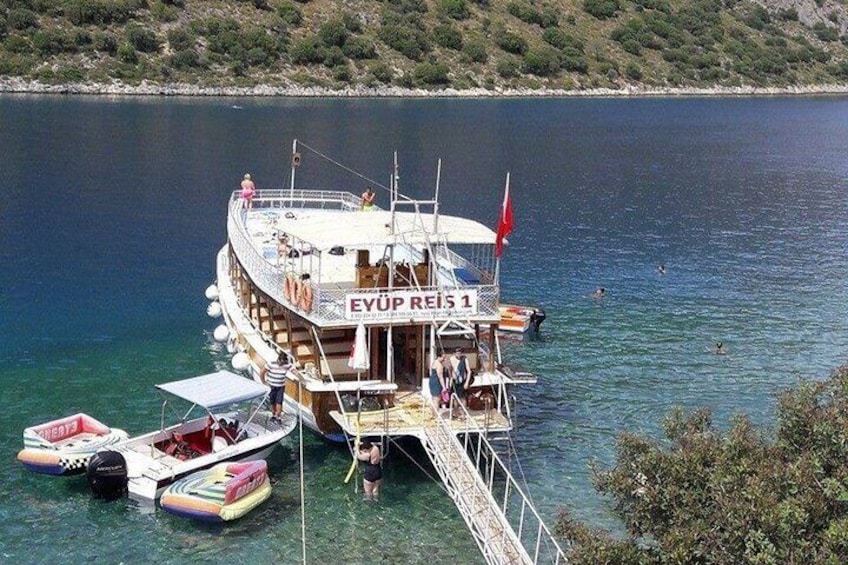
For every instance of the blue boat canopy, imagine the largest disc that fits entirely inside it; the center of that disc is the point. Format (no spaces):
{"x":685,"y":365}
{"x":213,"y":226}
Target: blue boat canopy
{"x":215,"y":389}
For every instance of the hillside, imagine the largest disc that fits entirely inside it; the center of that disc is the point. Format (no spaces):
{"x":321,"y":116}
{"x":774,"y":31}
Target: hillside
{"x":569,"y":45}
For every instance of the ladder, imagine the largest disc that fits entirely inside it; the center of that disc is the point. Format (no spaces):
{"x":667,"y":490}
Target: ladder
{"x":489,"y":522}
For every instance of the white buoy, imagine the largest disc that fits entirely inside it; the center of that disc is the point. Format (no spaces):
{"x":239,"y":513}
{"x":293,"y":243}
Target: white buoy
{"x":221,"y":333}
{"x":214,"y":309}
{"x":241,"y":361}
{"x":211,"y":292}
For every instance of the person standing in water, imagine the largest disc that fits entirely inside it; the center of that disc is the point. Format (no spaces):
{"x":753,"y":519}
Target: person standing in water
{"x":373,"y":475}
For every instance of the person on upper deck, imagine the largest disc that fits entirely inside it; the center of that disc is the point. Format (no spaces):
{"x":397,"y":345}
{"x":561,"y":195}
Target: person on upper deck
{"x":248,"y":190}
{"x":368,"y":198}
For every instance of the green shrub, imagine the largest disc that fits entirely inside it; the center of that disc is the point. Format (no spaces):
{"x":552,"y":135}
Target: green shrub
{"x":601,"y":9}
{"x":787,"y":15}
{"x":48,"y":43}
{"x":290,"y":13}
{"x":163,"y":12}
{"x":185,"y":59}
{"x":561,"y":40}
{"x":71,"y":74}
{"x":142,"y":39}
{"x":410,"y":42}
{"x":22,"y":19}
{"x":507,"y":67}
{"x":542,"y":62}
{"x":527,"y":13}
{"x":409,"y":6}
{"x":106,"y":42}
{"x":825,"y":32}
{"x":334,"y":57}
{"x":358,"y":47}
{"x":307,"y":51}
{"x":16,"y":64}
{"x":575,"y":64}
{"x":101,"y":12}
{"x":333,"y":33}
{"x":180,"y":40}
{"x":425,"y":74}
{"x":126,"y":53}
{"x":352,"y":22}
{"x":447,"y":36}
{"x":17,"y":44}
{"x":659,"y":5}
{"x":475,"y":50}
{"x":511,"y":43}
{"x":633,"y":72}
{"x":381,"y":72}
{"x":456,"y":9}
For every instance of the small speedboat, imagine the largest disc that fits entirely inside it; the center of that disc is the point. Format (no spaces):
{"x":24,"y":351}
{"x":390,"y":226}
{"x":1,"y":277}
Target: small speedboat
{"x":231,"y":426}
{"x":63,"y":447}
{"x":224,"y":492}
{"x":520,"y":319}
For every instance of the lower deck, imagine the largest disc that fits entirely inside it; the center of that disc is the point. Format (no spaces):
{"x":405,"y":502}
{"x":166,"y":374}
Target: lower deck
{"x":412,"y":413}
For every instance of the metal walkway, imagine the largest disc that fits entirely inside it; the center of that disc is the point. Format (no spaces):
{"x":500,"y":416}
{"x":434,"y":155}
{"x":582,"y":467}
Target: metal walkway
{"x":507,"y":528}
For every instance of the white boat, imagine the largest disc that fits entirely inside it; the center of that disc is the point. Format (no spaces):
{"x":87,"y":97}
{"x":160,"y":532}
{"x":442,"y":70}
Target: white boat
{"x":302,"y":269}
{"x":234,"y":427}
{"x":63,"y":446}
{"x":520,"y":319}
{"x":225,"y":492}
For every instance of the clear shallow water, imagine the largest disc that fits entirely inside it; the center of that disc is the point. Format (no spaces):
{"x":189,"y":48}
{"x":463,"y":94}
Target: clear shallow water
{"x":112,"y":212}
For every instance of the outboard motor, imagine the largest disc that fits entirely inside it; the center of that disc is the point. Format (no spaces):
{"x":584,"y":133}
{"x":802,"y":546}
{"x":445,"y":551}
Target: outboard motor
{"x":536,"y":318}
{"x":107,"y":474}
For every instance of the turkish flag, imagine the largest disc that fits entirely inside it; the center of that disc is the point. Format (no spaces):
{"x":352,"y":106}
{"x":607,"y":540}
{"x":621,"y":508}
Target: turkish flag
{"x":505,"y":222}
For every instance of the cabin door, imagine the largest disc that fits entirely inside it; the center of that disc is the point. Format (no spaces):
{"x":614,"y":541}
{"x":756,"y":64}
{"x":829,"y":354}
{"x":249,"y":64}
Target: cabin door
{"x":405,"y":355}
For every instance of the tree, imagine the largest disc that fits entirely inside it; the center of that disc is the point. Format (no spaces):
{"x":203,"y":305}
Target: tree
{"x":704,"y":496}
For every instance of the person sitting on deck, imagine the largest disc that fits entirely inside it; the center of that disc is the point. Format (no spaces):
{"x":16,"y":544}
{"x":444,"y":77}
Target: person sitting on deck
{"x":282,"y":247}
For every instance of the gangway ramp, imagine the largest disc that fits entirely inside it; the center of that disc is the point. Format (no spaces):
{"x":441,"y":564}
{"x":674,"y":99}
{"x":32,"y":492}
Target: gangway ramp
{"x":490,"y":521}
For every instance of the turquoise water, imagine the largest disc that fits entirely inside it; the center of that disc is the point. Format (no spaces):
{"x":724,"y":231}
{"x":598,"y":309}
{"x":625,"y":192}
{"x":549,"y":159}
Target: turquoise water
{"x":112,"y":211}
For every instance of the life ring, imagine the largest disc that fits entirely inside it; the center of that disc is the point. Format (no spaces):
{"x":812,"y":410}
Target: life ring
{"x":305,"y":297}
{"x":289,"y":289}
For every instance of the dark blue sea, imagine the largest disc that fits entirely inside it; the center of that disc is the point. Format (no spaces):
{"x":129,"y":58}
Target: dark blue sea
{"x":112,"y":211}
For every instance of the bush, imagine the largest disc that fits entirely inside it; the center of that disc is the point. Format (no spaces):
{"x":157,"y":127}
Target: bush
{"x":358,"y":47}
{"x":381,"y":72}
{"x":307,"y":51}
{"x":447,"y":36}
{"x":825,"y":32}
{"x":475,"y":50}
{"x":106,"y":42}
{"x":334,"y":57}
{"x":426,"y":74}
{"x":101,"y":12}
{"x":507,"y":68}
{"x":601,"y":9}
{"x":52,"y":43}
{"x":22,"y":19}
{"x":142,"y":39}
{"x":511,"y":43}
{"x":180,"y":40}
{"x":542,"y":62}
{"x":527,"y":13}
{"x":290,"y":13}
{"x":185,"y":59}
{"x":633,"y":72}
{"x":17,"y":44}
{"x":333,"y":33}
{"x":408,"y":41}
{"x":703,"y":496}
{"x":456,"y":9}
{"x":561,"y":40}
{"x":575,"y":64}
{"x":126,"y":53}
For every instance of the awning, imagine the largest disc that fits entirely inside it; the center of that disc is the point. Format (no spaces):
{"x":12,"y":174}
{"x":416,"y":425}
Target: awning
{"x":215,"y":389}
{"x":326,"y":229}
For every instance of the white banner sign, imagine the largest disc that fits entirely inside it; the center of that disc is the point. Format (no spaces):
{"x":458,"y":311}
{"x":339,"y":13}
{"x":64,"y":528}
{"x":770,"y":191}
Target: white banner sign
{"x":410,"y":304}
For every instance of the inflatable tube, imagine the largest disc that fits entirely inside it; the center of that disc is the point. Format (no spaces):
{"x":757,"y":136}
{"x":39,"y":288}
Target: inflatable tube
{"x":225,"y":492}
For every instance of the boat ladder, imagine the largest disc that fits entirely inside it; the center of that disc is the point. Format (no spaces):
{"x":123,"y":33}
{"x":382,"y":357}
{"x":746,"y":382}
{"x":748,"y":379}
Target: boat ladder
{"x":490,"y":521}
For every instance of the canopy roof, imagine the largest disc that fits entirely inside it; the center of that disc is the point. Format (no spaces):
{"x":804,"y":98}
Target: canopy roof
{"x":325,"y":229}
{"x":215,"y":389}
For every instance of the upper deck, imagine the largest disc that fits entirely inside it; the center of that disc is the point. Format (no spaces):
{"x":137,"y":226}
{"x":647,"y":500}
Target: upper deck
{"x":378,"y":266}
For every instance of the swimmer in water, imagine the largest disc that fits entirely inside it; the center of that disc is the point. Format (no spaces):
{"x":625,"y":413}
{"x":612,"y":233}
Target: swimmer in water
{"x":600,"y":293}
{"x":661,"y":269}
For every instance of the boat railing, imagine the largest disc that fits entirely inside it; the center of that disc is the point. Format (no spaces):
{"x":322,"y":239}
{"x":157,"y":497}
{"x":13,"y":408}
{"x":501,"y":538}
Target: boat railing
{"x":512,"y":503}
{"x":329,"y":304}
{"x":301,"y":198}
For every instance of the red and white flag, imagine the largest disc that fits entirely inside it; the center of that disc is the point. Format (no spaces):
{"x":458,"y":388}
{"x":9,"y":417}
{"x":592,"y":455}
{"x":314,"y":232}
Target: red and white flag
{"x":505,"y":222}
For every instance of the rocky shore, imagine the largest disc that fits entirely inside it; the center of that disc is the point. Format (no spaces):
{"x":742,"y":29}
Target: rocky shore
{"x":16,"y":85}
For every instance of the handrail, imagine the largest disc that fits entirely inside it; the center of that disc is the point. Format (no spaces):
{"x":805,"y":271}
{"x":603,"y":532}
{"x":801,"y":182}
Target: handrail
{"x":543,"y":533}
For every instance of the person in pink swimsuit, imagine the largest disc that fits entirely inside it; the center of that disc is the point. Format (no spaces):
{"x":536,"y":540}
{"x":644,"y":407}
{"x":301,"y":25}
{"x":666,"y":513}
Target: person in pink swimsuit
{"x":248,"y":191}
